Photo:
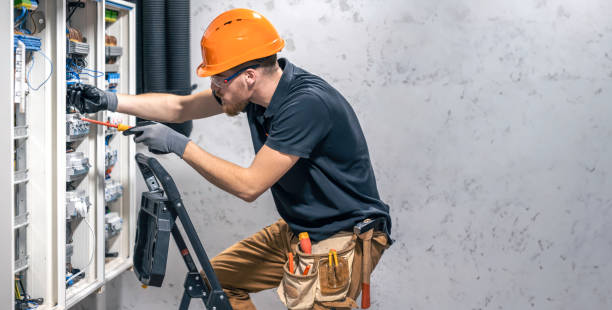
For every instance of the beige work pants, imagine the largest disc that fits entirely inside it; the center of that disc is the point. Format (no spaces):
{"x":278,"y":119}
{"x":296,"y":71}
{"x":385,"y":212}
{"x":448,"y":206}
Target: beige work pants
{"x":256,"y":263}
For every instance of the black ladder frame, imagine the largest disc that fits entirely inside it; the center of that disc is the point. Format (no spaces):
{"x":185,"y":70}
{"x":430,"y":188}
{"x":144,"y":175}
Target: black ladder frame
{"x":210,"y":291}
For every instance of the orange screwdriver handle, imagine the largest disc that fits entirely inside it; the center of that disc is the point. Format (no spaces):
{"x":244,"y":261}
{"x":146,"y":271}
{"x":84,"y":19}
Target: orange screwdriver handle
{"x":291,"y":269}
{"x":305,"y":244}
{"x":123,"y":127}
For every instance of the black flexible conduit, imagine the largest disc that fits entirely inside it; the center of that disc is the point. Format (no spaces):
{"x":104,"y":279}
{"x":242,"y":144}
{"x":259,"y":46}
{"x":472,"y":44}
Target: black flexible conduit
{"x":163,"y":63}
{"x":177,"y":47}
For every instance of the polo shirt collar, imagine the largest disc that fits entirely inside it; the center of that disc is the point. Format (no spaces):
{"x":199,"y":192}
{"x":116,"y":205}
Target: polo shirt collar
{"x":282,"y":89}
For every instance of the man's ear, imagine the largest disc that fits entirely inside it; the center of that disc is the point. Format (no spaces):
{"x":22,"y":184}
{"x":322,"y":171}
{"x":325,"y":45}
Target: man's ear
{"x":250,"y":75}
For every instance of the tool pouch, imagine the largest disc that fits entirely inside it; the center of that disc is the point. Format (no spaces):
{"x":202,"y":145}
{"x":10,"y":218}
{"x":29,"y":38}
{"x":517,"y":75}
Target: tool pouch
{"x":323,"y":282}
{"x":297,"y":291}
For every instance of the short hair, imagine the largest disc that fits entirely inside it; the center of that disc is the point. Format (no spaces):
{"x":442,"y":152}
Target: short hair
{"x":268,"y":63}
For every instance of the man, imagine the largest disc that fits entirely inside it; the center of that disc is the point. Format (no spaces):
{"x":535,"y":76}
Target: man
{"x":310,"y":150}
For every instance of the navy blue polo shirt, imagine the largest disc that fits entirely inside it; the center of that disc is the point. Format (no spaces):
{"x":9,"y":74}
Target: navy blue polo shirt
{"x":332,"y":186}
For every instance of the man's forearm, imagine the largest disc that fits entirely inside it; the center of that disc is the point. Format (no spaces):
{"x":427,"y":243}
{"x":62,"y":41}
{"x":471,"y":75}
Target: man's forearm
{"x":154,"y":106}
{"x":170,"y":108}
{"x":228,"y":176}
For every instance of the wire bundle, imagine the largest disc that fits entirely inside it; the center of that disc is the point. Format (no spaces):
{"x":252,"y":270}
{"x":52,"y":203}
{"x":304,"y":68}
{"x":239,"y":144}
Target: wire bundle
{"x":75,"y":34}
{"x":76,"y":66}
{"x":110,"y":40}
{"x":32,"y":43}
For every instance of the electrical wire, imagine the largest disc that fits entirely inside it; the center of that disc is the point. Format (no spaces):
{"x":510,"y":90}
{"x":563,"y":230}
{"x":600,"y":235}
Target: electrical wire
{"x":32,"y":66}
{"x":33,"y":21}
{"x":70,"y":70}
{"x":23,"y":12}
{"x":74,"y":34}
{"x":21,"y":20}
{"x":74,"y":8}
{"x":75,"y":69}
{"x":99,"y":74}
{"x":92,"y":253}
{"x":21,"y":28}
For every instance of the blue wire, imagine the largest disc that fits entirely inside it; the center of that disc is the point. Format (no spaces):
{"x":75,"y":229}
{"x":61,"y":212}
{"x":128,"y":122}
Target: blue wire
{"x":32,"y":66}
{"x":71,"y":72}
{"x":23,"y":13}
{"x":76,"y":70}
{"x":93,"y":76}
{"x":98,"y":73}
{"x":83,"y":70}
{"x":74,"y":75}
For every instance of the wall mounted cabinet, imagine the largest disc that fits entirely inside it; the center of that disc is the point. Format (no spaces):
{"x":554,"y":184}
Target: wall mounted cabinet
{"x":71,"y":192}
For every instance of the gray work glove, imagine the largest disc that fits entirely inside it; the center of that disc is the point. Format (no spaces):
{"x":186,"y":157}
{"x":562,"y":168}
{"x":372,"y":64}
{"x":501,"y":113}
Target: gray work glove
{"x":160,"y":138}
{"x":90,"y":99}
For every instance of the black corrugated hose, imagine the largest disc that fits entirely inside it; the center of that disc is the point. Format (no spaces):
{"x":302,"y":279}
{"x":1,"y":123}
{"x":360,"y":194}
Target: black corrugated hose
{"x":163,"y":62}
{"x":177,"y":44}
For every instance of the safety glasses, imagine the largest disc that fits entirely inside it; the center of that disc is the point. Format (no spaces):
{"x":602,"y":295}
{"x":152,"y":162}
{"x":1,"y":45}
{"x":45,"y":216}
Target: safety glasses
{"x":221,"y":82}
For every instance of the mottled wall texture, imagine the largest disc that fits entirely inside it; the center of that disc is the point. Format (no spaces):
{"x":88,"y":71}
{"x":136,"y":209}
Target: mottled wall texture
{"x":489,"y":125}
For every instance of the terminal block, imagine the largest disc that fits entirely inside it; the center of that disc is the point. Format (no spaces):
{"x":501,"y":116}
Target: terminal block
{"x":71,"y":279}
{"x":77,"y":203}
{"x":113,"y":51}
{"x":76,"y":129}
{"x":110,"y":159}
{"x":112,"y":190}
{"x":112,"y":224}
{"x":77,"y":166}
{"x":28,"y":4}
{"x":112,"y":227}
{"x":21,"y":89}
{"x":77,"y":48}
{"x":32,"y":43}
{"x":111,"y":15}
{"x":69,"y":252}
{"x":112,"y":80}
{"x":112,"y":67}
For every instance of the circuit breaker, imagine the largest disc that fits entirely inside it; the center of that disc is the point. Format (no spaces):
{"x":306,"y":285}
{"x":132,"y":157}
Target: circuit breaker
{"x":73,"y":199}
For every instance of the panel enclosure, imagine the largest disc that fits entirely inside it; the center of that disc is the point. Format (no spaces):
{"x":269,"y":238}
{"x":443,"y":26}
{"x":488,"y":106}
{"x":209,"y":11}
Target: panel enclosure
{"x":120,"y":67}
{"x":83,"y":271}
{"x":69,"y":184}
{"x":34,"y":95}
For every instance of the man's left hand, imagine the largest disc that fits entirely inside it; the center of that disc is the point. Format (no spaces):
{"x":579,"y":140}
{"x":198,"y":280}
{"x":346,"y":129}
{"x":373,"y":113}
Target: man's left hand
{"x":159,"y":138}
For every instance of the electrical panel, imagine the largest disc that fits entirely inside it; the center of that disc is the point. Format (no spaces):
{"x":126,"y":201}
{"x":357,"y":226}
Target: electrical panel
{"x":119,"y":151}
{"x":73,"y":182}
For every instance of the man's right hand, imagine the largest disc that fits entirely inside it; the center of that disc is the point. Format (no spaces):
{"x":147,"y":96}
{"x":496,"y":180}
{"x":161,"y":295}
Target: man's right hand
{"x":90,"y":99}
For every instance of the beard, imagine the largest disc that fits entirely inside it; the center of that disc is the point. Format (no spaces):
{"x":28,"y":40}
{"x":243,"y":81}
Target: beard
{"x":232,"y":109}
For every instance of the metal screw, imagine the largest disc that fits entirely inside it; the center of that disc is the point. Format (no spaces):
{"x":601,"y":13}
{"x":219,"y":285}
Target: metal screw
{"x":221,"y":297}
{"x":190,"y":288}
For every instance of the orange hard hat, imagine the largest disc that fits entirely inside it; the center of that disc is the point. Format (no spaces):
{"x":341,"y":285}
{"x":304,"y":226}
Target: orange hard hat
{"x":235,"y":37}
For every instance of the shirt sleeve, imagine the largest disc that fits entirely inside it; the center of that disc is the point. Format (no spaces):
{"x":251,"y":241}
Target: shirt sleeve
{"x":299,"y":126}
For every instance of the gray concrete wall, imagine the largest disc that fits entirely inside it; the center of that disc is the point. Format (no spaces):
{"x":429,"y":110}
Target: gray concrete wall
{"x":489,"y":127}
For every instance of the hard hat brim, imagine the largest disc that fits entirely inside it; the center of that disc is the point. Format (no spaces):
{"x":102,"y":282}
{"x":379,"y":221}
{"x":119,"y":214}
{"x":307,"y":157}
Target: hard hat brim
{"x":274,"y":47}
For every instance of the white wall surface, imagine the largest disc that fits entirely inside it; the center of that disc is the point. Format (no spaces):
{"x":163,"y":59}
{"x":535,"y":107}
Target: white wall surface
{"x":489,"y":125}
